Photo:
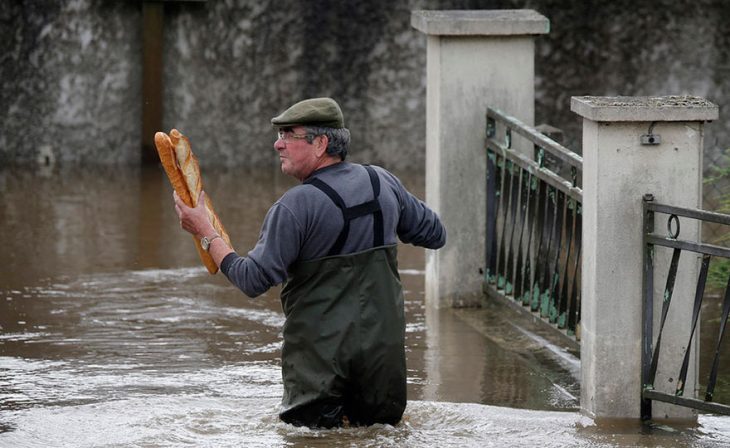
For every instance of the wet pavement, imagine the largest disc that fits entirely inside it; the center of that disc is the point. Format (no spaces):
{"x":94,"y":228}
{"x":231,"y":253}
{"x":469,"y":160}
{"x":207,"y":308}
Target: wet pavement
{"x":113,"y":334}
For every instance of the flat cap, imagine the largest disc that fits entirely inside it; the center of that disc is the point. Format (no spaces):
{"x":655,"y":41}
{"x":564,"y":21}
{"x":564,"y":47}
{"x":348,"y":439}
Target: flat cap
{"x":323,"y":112}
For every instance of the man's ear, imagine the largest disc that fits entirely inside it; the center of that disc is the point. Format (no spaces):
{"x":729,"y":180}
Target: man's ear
{"x":320,"y":148}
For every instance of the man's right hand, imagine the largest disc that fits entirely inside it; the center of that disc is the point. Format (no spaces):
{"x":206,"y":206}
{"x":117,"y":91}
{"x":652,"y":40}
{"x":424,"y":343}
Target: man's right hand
{"x":194,"y":220}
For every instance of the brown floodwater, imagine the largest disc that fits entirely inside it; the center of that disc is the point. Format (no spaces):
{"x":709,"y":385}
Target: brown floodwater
{"x":113,"y":334}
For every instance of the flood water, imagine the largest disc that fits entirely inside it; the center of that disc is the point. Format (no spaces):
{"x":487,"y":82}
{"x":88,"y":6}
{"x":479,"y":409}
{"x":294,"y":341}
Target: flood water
{"x":112,"y":334}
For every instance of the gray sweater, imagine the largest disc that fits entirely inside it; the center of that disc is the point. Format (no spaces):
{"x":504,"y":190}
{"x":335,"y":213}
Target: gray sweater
{"x":304,"y":224}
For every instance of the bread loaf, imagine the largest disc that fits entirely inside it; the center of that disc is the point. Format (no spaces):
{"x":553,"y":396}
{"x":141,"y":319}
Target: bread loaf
{"x":183,"y":171}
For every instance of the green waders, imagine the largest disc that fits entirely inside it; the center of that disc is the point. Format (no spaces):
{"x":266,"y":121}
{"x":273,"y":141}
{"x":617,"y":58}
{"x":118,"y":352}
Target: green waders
{"x":344,"y":336}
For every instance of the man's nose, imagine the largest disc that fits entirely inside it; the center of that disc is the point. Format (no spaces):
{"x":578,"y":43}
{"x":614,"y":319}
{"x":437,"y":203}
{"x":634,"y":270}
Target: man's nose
{"x":279,"y":144}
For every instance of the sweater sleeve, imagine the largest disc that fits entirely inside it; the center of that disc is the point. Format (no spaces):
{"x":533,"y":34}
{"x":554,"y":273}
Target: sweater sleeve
{"x":266,"y":264}
{"x":418,"y":224}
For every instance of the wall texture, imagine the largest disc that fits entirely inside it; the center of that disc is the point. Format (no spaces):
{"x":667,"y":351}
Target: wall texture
{"x":70,"y":77}
{"x":70,"y":80}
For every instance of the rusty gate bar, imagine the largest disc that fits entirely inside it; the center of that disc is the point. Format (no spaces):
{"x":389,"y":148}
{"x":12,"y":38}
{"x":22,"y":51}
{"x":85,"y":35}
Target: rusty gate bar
{"x":533,"y":246}
{"x":492,"y":206}
{"x":651,"y":355}
{"x":561,"y":316}
{"x":647,"y":311}
{"x":701,"y":281}
{"x":513,"y":206}
{"x":554,"y":274}
{"x":524,"y":297}
{"x":522,"y":261}
{"x":541,"y":222}
{"x":572,"y":327}
{"x":504,"y":206}
{"x":668,"y":292}
{"x":716,"y":359}
{"x":543,"y":263}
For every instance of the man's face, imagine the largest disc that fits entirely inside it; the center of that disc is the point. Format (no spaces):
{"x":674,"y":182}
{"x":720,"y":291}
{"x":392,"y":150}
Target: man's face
{"x":298,"y":157}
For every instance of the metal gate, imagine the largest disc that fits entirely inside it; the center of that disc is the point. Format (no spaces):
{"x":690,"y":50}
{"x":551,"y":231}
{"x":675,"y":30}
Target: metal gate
{"x":533,"y":226}
{"x":650,"y":355}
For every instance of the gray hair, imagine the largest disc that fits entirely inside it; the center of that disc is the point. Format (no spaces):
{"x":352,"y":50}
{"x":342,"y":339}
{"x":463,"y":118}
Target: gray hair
{"x":339,"y":139}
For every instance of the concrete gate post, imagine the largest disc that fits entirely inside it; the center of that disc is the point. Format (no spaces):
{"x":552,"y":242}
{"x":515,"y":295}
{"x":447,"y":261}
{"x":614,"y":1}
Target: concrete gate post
{"x":619,"y":167}
{"x":475,"y":59}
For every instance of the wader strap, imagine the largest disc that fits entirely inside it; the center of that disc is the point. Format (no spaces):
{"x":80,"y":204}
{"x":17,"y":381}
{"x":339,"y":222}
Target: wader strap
{"x":378,"y":226}
{"x":337,"y":199}
{"x":350,"y":213}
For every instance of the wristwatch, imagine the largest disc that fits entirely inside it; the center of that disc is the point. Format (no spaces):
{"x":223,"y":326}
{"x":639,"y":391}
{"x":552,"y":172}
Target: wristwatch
{"x":205,"y":241}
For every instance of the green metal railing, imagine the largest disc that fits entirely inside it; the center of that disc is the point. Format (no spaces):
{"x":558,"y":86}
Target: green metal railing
{"x":651,"y":355}
{"x":533,"y":228}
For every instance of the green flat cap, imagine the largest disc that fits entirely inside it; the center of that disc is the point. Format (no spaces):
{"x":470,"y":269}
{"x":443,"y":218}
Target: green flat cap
{"x":323,"y":112}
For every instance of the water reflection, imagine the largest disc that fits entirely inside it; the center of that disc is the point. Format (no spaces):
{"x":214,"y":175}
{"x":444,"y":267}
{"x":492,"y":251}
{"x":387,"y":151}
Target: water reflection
{"x":109,"y":322}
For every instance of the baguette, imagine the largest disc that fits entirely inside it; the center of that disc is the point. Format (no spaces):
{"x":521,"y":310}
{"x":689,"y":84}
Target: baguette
{"x":183,"y":171}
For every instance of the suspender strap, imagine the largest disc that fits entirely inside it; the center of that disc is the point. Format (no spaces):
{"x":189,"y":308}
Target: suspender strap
{"x":378,"y":226}
{"x":350,"y":213}
{"x":363,"y":209}
{"x":337,"y":199}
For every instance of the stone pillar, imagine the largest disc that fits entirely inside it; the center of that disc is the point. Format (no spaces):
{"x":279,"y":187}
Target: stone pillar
{"x":475,"y":59}
{"x":618,"y":169}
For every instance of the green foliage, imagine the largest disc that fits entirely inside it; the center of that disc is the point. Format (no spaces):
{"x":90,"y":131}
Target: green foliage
{"x":720,"y":170}
{"x":719,"y":273}
{"x":720,"y":267}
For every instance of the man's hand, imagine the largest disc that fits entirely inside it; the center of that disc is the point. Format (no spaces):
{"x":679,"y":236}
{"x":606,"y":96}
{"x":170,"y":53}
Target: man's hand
{"x":194,"y":220}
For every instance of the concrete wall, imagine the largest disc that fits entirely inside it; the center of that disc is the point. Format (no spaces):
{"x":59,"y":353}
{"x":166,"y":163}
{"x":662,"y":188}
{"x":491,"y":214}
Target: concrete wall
{"x":71,"y":70}
{"x":230,"y":69}
{"x":70,"y":79}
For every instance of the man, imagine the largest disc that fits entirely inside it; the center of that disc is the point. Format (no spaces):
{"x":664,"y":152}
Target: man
{"x":332,"y":242}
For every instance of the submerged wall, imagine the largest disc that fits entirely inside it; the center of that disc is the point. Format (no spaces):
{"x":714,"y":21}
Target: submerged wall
{"x":70,"y":78}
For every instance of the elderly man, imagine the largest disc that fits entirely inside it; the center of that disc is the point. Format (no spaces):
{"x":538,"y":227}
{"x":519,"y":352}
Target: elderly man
{"x":332,"y":242}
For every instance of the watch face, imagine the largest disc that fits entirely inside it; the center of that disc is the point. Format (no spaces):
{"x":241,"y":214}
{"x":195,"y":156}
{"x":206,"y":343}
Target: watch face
{"x":205,"y":243}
